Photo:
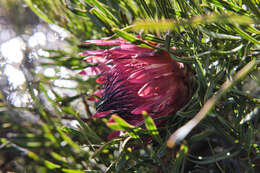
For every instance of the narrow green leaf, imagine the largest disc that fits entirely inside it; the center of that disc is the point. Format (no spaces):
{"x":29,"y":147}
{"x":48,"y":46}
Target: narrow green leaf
{"x":103,"y":18}
{"x":67,"y":139}
{"x":227,"y":125}
{"x":131,"y":38}
{"x":201,"y":136}
{"x":252,"y":30}
{"x":149,"y":124}
{"x":119,"y":124}
{"x":151,"y":127}
{"x":227,"y":154}
{"x":48,"y":134}
{"x":58,"y":157}
{"x":180,"y":157}
{"x":122,"y":125}
{"x":104,"y":146}
{"x":162,"y":7}
{"x":87,"y":131}
{"x":152,"y":38}
{"x":245,"y":35}
{"x":104,"y":9}
{"x":79,"y":12}
{"x":229,"y":6}
{"x":33,"y":156}
{"x":146,"y":8}
{"x":72,"y":171}
{"x":253,"y":7}
{"x":219,"y":35}
{"x":47,"y":163}
{"x":51,"y":165}
{"x":183,"y":8}
{"x":228,"y":51}
{"x":37,"y":11}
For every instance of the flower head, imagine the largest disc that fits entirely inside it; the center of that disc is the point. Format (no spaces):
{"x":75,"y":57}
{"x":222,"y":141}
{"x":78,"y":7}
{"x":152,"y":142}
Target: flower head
{"x":137,"y":79}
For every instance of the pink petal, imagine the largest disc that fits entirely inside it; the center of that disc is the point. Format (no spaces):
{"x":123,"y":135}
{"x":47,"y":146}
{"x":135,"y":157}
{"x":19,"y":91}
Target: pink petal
{"x":92,"y":52}
{"x":95,"y":70}
{"x":105,"y":41}
{"x":129,"y":50}
{"x":138,"y":77}
{"x":91,"y":98}
{"x":137,"y":120}
{"x":140,"y":109}
{"x":98,"y":93}
{"x":83,"y":72}
{"x":102,"y":114}
{"x":113,"y":135}
{"x":111,"y":120}
{"x":95,"y":59}
{"x":147,"y":91}
{"x":90,"y":71}
{"x":101,"y":79}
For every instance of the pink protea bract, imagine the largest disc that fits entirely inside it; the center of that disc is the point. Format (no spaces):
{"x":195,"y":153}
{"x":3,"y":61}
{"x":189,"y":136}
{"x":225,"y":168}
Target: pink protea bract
{"x":137,"y":79}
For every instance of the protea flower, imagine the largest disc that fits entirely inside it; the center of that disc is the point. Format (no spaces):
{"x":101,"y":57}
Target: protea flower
{"x":137,"y":79}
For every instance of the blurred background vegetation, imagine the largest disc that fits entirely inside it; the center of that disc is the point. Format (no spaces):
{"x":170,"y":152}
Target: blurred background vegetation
{"x":45,"y":115}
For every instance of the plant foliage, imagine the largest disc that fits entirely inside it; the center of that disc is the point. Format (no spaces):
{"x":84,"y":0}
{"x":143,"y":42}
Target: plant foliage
{"x":219,"y":39}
